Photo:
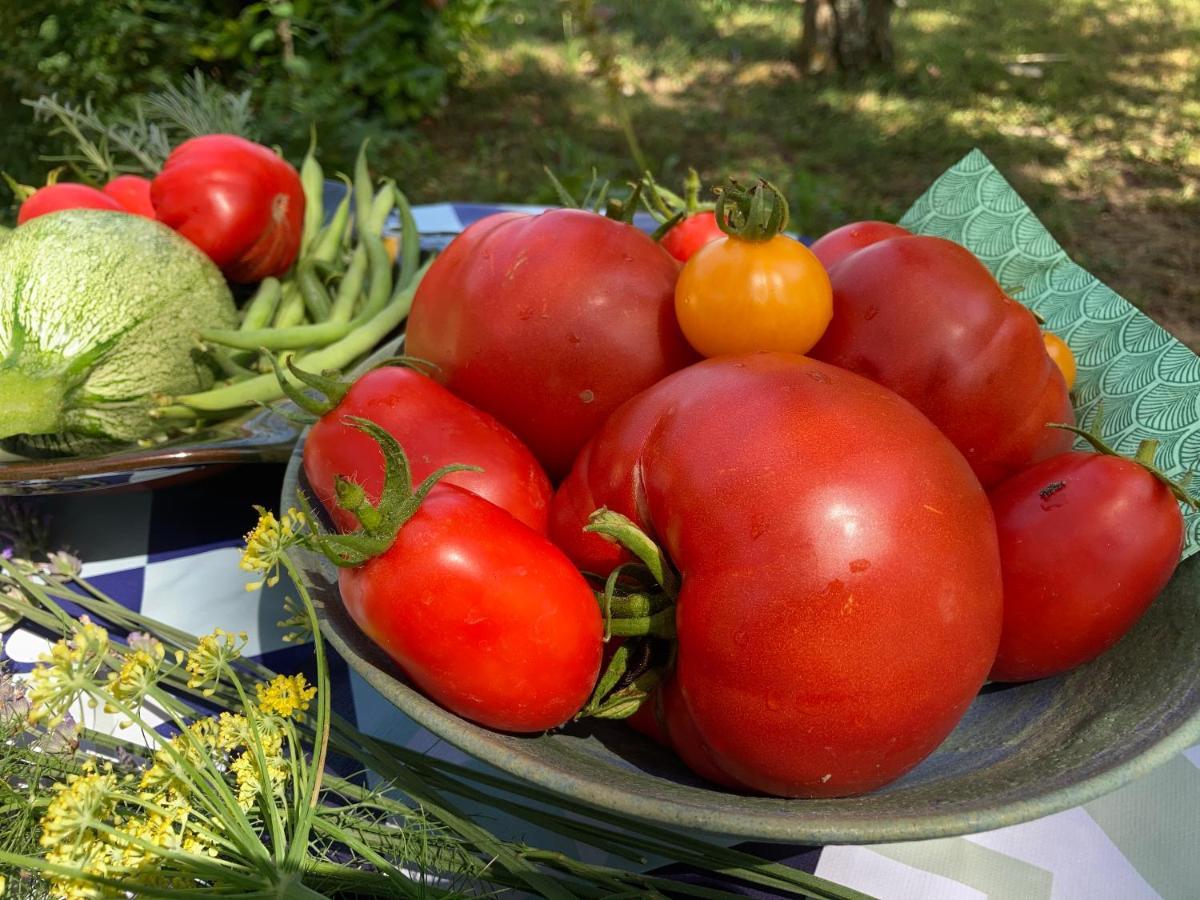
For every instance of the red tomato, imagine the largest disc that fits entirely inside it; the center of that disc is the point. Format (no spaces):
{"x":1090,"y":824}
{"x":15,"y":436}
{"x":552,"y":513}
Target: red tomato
{"x":922,"y":316}
{"x":549,"y":323}
{"x":64,"y":195}
{"x":239,"y":202}
{"x":692,"y":233}
{"x":841,"y":597}
{"x":647,"y":720}
{"x":686,"y":740}
{"x":436,"y":428}
{"x":484,"y":614}
{"x":1087,"y":541}
{"x":835,"y":246}
{"x":133,"y":193}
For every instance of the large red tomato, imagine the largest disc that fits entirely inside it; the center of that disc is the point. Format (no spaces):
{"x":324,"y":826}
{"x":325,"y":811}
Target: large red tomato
{"x":238,"y":201}
{"x":924,"y":317}
{"x":436,"y":429}
{"x":1087,"y":541}
{"x":835,"y":246}
{"x":841,"y":599}
{"x":549,"y":323}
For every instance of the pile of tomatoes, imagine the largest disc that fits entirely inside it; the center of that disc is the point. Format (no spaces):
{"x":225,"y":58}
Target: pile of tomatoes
{"x":817,"y":493}
{"x":238,"y":201}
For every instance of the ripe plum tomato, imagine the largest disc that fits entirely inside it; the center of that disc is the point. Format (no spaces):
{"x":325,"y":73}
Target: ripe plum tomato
{"x":922,"y":316}
{"x":484,"y":614}
{"x":438,"y":429}
{"x":835,"y":246}
{"x":238,"y":201}
{"x":133,"y":193}
{"x":1087,"y":541}
{"x":756,"y":289}
{"x":1062,"y":356}
{"x":840,"y":599}
{"x":692,"y":233}
{"x":65,"y":195}
{"x":549,"y":323}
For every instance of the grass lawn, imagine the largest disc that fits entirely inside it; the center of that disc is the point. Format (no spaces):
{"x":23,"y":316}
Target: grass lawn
{"x":1091,"y":108}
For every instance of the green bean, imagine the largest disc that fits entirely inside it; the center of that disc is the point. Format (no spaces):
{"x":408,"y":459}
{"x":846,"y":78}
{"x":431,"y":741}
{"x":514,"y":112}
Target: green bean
{"x":379,"y":283}
{"x":225,"y":360}
{"x":265,"y":388}
{"x":327,"y":270}
{"x":298,"y":337}
{"x":362,"y":192}
{"x":291,"y":308}
{"x":350,"y":286}
{"x":326,"y":245}
{"x":410,"y":241}
{"x":312,"y":179}
{"x":316,"y":298}
{"x":261,"y":307}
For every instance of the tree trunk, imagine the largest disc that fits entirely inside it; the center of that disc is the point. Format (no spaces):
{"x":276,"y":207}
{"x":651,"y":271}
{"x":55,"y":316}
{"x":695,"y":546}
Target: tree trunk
{"x":852,"y":36}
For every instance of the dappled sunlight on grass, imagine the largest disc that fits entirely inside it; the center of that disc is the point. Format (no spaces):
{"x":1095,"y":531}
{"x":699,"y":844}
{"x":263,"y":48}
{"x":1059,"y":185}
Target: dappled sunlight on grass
{"x":1092,"y":107}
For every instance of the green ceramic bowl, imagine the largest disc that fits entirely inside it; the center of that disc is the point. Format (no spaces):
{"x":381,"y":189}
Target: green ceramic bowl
{"x":1021,"y":752}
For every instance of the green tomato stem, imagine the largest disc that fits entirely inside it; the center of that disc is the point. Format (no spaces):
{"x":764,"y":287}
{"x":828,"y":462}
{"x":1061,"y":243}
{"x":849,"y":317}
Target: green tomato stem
{"x":621,"y":530}
{"x":660,"y":625}
{"x":757,"y":213}
{"x":691,"y":191}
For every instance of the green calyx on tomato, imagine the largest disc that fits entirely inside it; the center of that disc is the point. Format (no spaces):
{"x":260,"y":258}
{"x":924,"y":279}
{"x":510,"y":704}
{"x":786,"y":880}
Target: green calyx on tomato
{"x":757,"y":213}
{"x":598,"y":198}
{"x":1143,"y":456}
{"x":638,"y":606}
{"x":383,"y":520}
{"x":332,"y":390}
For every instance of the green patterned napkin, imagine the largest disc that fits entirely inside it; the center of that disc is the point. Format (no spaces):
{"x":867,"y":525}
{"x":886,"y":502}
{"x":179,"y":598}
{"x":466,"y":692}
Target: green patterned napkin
{"x":1149,"y":382}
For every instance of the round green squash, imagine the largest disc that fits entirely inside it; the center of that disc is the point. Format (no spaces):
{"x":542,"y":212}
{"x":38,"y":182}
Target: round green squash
{"x":99,"y":312}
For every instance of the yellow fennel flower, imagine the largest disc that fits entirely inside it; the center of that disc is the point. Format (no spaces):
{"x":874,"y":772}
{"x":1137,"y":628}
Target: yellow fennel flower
{"x":70,"y":667}
{"x":138,"y":673}
{"x":285,"y":695}
{"x":267,"y":542}
{"x":78,"y":805}
{"x":211,"y":659}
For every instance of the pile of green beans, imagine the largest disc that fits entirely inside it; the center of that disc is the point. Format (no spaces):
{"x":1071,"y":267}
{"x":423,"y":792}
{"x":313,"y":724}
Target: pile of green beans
{"x":343,"y":296}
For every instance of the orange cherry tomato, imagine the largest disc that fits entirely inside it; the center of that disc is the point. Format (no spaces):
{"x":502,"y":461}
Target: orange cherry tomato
{"x":756,"y":289}
{"x":1062,"y":356}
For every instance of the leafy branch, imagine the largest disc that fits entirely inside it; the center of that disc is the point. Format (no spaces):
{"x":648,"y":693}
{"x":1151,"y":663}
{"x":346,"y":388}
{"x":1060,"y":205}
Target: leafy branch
{"x":101,"y":148}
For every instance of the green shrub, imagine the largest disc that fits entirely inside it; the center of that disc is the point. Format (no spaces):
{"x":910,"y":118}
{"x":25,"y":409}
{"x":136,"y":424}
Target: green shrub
{"x":350,"y":67}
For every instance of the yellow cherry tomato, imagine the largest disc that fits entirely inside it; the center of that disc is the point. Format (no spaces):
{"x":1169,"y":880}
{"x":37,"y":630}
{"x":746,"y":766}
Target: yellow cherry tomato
{"x":1062,"y":356}
{"x":756,"y":289}
{"x":391,"y":243}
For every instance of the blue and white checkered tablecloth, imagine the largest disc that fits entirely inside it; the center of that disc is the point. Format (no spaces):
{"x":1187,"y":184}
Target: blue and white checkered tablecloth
{"x":173,"y":553}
